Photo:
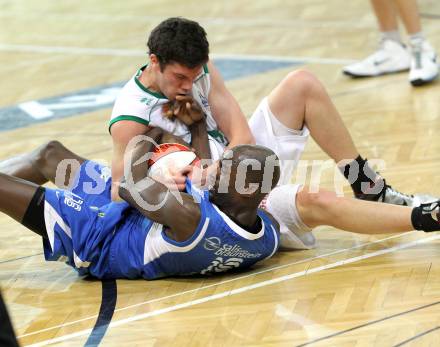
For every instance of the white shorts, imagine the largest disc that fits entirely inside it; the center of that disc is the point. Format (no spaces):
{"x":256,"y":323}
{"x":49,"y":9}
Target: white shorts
{"x":287,"y":148}
{"x":281,"y":203}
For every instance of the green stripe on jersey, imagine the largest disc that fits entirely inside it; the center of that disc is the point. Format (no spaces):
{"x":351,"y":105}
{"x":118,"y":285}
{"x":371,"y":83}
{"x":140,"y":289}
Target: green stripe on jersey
{"x":127,"y":117}
{"x":145,"y":89}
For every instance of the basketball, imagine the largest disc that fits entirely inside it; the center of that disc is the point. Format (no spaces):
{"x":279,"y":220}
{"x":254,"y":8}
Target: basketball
{"x":171,"y":156}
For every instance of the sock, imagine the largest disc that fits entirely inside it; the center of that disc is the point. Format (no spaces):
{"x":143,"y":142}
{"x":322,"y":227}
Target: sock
{"x":393,"y":35}
{"x":417,"y":36}
{"x":416,"y":40}
{"x":426,"y":217}
{"x":366,"y":180}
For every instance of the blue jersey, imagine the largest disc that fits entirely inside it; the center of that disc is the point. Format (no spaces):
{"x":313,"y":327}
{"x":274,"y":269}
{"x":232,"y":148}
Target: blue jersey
{"x":141,"y":248}
{"x":112,"y":240}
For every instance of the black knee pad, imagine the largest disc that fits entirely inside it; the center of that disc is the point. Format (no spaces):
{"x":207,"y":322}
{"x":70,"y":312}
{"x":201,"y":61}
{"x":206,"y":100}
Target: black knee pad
{"x":33,"y":218}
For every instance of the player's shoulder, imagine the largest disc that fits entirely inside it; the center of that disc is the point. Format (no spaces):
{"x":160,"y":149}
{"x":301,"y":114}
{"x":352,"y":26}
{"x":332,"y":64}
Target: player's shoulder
{"x":124,"y":129}
{"x":135,"y":90}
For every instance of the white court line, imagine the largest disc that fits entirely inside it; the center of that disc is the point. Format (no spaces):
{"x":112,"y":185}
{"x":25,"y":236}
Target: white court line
{"x":240,"y":290}
{"x":4,"y":47}
{"x":342,"y":22}
{"x":278,"y":267}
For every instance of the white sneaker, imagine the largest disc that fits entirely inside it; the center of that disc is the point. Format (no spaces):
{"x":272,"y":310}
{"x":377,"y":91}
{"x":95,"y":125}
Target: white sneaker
{"x":391,"y":57}
{"x":424,"y":67}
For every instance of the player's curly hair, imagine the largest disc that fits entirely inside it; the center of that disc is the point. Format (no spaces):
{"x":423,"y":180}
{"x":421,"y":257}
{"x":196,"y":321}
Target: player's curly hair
{"x":179,"y":40}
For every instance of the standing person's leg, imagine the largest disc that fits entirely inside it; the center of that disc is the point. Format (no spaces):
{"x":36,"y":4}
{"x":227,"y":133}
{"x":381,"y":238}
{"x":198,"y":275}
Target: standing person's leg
{"x":409,"y":13}
{"x":424,"y":67}
{"x":392,"y":55}
{"x":386,"y":15}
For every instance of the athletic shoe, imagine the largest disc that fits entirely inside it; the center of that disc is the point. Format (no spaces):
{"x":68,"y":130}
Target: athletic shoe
{"x":424,"y":67}
{"x":426,"y":217}
{"x":392,"y":196}
{"x":391,"y":57}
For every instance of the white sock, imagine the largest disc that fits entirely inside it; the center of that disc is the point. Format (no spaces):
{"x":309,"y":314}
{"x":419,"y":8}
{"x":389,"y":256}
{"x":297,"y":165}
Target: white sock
{"x":416,"y":40}
{"x":393,"y":35}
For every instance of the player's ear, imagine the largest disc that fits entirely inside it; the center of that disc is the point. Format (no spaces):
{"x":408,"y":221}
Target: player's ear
{"x":154,"y":61}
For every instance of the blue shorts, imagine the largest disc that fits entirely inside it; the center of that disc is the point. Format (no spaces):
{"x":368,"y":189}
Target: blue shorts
{"x":80,"y":223}
{"x":93,"y":183}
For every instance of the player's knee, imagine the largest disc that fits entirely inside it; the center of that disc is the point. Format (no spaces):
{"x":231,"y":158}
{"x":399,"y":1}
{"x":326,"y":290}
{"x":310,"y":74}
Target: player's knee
{"x":302,"y":81}
{"x":314,"y":207}
{"x":47,"y":151}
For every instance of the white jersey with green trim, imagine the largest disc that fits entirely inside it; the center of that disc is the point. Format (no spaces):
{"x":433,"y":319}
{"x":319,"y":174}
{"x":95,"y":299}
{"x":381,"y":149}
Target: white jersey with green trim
{"x":137,"y":103}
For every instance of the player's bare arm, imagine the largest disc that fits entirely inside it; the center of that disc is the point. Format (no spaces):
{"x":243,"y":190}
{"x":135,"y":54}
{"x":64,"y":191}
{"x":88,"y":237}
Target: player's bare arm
{"x":227,"y":112}
{"x":176,"y":210}
{"x":122,"y":132}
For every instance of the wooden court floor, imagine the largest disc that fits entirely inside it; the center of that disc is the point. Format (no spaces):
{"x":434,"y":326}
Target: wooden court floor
{"x":352,"y":290}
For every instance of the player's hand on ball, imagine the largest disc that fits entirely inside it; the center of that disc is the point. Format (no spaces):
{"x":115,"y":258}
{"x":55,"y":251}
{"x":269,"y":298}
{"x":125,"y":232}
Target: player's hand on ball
{"x":174,"y":179}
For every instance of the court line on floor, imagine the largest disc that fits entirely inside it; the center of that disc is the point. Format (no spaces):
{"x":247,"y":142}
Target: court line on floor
{"x":430,"y":15}
{"x":249,"y":21}
{"x":251,"y":274}
{"x":417,"y":336}
{"x":241,"y":290}
{"x":20,"y":258}
{"x":342,"y":332}
{"x":106,"y":311}
{"x":5,"y":47}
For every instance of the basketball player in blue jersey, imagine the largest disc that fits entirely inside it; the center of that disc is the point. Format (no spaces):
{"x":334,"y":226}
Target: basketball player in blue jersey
{"x":193,"y":232}
{"x":106,"y":229}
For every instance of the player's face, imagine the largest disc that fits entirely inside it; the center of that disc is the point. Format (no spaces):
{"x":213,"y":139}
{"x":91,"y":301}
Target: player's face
{"x":177,"y":79}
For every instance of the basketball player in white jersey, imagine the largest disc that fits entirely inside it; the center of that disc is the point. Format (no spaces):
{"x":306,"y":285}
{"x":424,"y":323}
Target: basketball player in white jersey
{"x":297,"y":108}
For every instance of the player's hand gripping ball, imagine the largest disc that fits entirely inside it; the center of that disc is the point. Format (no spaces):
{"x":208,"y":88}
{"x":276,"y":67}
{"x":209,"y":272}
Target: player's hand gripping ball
{"x":171,"y":157}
